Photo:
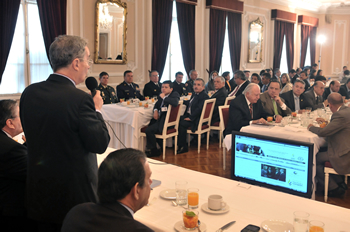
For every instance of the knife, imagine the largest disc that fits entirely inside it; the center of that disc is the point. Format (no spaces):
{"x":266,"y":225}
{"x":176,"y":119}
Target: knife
{"x":225,"y":226}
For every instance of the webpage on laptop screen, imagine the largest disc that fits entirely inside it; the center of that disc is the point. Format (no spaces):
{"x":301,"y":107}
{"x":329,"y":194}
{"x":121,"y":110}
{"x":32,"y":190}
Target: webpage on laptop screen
{"x":272,"y":162}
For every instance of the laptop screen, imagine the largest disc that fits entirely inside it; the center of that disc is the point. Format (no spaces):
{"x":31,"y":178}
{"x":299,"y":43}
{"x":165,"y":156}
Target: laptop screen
{"x":275,"y":163}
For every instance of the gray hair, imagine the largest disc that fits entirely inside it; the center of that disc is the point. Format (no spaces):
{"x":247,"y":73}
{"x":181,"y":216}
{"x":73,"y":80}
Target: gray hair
{"x":221,"y":79}
{"x":299,"y":81}
{"x":201,"y":80}
{"x":250,"y":87}
{"x":6,"y":111}
{"x":65,"y":49}
{"x":240,"y":75}
{"x":193,"y":70}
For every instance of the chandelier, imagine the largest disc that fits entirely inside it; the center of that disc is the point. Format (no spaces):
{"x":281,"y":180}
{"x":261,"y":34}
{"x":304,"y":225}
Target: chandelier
{"x":105,"y":18}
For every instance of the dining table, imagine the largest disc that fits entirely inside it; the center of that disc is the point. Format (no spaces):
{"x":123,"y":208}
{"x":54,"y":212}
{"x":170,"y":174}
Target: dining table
{"x":245,"y":204}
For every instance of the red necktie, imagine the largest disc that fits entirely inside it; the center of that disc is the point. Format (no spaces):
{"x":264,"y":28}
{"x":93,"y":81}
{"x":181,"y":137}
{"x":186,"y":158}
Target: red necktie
{"x":251,"y":109}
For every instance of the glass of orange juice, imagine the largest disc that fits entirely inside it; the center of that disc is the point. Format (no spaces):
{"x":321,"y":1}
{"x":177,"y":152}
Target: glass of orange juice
{"x":146,"y":98}
{"x":190,"y":218}
{"x":193,"y":198}
{"x":316,"y":226}
{"x":128,"y":102}
{"x":189,"y":93}
{"x":121,"y":99}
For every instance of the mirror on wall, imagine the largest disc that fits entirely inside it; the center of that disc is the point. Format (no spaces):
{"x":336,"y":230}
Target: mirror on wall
{"x":255,"y":39}
{"x":110,"y":32}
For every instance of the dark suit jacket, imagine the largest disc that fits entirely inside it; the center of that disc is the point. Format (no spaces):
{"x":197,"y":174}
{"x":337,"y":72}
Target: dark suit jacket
{"x":126,"y":91}
{"x":239,"y":115}
{"x":196,"y":108}
{"x":243,"y":86}
{"x":311,"y":100}
{"x":101,"y":218}
{"x":180,"y":88}
{"x":189,"y":86}
{"x":152,"y":89}
{"x":63,"y":132}
{"x":345,"y":90}
{"x":173,"y":100}
{"x":233,"y":84}
{"x":220,"y":96}
{"x":289,"y":100}
{"x":342,"y":92}
{"x":13,"y":173}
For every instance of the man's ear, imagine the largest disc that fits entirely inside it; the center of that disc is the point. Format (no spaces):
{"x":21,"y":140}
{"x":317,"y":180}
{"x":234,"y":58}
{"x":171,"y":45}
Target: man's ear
{"x":75,"y":64}
{"x":9,"y":124}
{"x":136,"y":191}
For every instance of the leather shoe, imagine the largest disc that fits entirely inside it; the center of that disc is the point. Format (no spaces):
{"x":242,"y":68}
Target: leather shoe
{"x":338,"y":192}
{"x":153,"y":153}
{"x":182,"y":150}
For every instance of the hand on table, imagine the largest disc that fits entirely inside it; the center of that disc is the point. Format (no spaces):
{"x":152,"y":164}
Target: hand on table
{"x":321,"y":120}
{"x":278,"y":118}
{"x":260,"y":121}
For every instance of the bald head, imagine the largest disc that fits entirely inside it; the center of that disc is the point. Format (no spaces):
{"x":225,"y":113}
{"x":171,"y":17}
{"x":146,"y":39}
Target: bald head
{"x":335,"y":100}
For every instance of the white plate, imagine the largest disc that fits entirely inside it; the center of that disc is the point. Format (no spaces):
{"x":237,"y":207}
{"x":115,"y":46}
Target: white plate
{"x":179,"y":226}
{"x":207,"y":210}
{"x":169,"y":194}
{"x":277,"y":226}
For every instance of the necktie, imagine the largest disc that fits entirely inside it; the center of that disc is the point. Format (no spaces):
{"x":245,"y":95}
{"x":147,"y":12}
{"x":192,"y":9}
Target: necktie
{"x":189,"y":106}
{"x":228,"y":83}
{"x":263,"y":88}
{"x":274,"y":106}
{"x":317,"y":100}
{"x":234,"y":91}
{"x":296,"y":103}
{"x":251,"y":109}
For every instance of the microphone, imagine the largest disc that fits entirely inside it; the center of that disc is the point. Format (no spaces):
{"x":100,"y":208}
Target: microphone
{"x":91,"y":84}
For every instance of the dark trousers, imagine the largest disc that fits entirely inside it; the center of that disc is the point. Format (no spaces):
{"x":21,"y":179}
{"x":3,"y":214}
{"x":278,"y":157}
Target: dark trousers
{"x":183,"y":126}
{"x":150,"y":131}
{"x":17,"y":224}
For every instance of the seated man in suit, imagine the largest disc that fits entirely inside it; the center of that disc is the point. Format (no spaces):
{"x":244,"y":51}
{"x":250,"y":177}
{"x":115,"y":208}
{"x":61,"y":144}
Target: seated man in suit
{"x":220,"y":94}
{"x":178,"y":85}
{"x":334,"y":87}
{"x":272,"y":103}
{"x":189,"y":84}
{"x":338,"y":153}
{"x":128,"y":89}
{"x":294,"y":98}
{"x":13,"y":171}
{"x":314,"y":97}
{"x":346,"y":88}
{"x":241,"y":82}
{"x":166,"y":98}
{"x":265,"y":80}
{"x":246,"y":109}
{"x":153,"y":87}
{"x":192,"y":113}
{"x":107,"y":92}
{"x":303,"y":77}
{"x":124,"y":186}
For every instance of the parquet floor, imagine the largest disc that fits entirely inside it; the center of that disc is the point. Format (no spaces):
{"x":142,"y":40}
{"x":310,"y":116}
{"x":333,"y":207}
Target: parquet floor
{"x":211,"y":162}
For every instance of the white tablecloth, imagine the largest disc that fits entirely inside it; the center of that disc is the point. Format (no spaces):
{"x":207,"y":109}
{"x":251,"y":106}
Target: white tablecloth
{"x":248,"y":204}
{"x":126,"y":122}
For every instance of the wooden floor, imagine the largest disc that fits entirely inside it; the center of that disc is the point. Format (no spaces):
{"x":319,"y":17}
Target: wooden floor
{"x":211,"y":162}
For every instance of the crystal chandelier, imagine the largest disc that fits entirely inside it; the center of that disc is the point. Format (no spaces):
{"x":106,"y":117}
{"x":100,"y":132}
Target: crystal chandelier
{"x":105,"y":18}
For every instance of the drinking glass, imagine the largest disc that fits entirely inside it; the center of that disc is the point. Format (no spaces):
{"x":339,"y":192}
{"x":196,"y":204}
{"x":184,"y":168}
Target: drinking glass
{"x":316,"y":226}
{"x":190,"y":218}
{"x":301,"y":221}
{"x":193,"y":198}
{"x":181,"y":192}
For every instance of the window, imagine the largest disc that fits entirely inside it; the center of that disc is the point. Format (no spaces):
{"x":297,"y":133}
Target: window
{"x":308,"y":56}
{"x":27,"y":62}
{"x":174,"y":61}
{"x":284,"y":64}
{"x":226,"y":57}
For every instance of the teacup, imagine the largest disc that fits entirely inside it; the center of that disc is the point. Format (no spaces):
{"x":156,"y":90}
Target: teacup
{"x":215,"y":202}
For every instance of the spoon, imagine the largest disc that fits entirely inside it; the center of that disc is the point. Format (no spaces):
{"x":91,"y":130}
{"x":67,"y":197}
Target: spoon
{"x":175,"y":204}
{"x":199,"y":223}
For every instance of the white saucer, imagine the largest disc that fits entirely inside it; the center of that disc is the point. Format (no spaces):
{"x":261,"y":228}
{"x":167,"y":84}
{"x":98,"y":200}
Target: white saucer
{"x":179,"y":226}
{"x":277,"y":226}
{"x":207,"y":210}
{"x":169,"y":194}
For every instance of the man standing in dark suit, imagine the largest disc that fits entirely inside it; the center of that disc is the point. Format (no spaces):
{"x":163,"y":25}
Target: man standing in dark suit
{"x":124,"y":186}
{"x":314,"y":97}
{"x":107,"y":92}
{"x":338,"y":152}
{"x":334,"y":87}
{"x":13,"y":171}
{"x":178,"y":85}
{"x":294,"y":98}
{"x":64,"y":129}
{"x":153,"y":87}
{"x":166,"y":98}
{"x":220,"y":95}
{"x":346,"y":88}
{"x":265,"y":80}
{"x":189,"y":84}
{"x":128,"y":89}
{"x":246,"y":109}
{"x":192,"y":113}
{"x":241,"y":82}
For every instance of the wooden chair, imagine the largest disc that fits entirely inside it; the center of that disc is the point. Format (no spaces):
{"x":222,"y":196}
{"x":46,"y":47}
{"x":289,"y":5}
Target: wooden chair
{"x":228,"y":100}
{"x":328,"y":169}
{"x":207,"y":113}
{"x":172,"y":119}
{"x":224,"y":115}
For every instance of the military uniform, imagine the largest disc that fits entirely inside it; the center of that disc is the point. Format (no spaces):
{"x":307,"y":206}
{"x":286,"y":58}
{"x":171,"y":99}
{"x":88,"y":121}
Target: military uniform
{"x":126,"y":91}
{"x":180,"y":88}
{"x":151,"y":89}
{"x":189,"y":85}
{"x":108,"y":94}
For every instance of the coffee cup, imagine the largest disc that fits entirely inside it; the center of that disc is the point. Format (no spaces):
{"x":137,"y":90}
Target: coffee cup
{"x":215,"y":202}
